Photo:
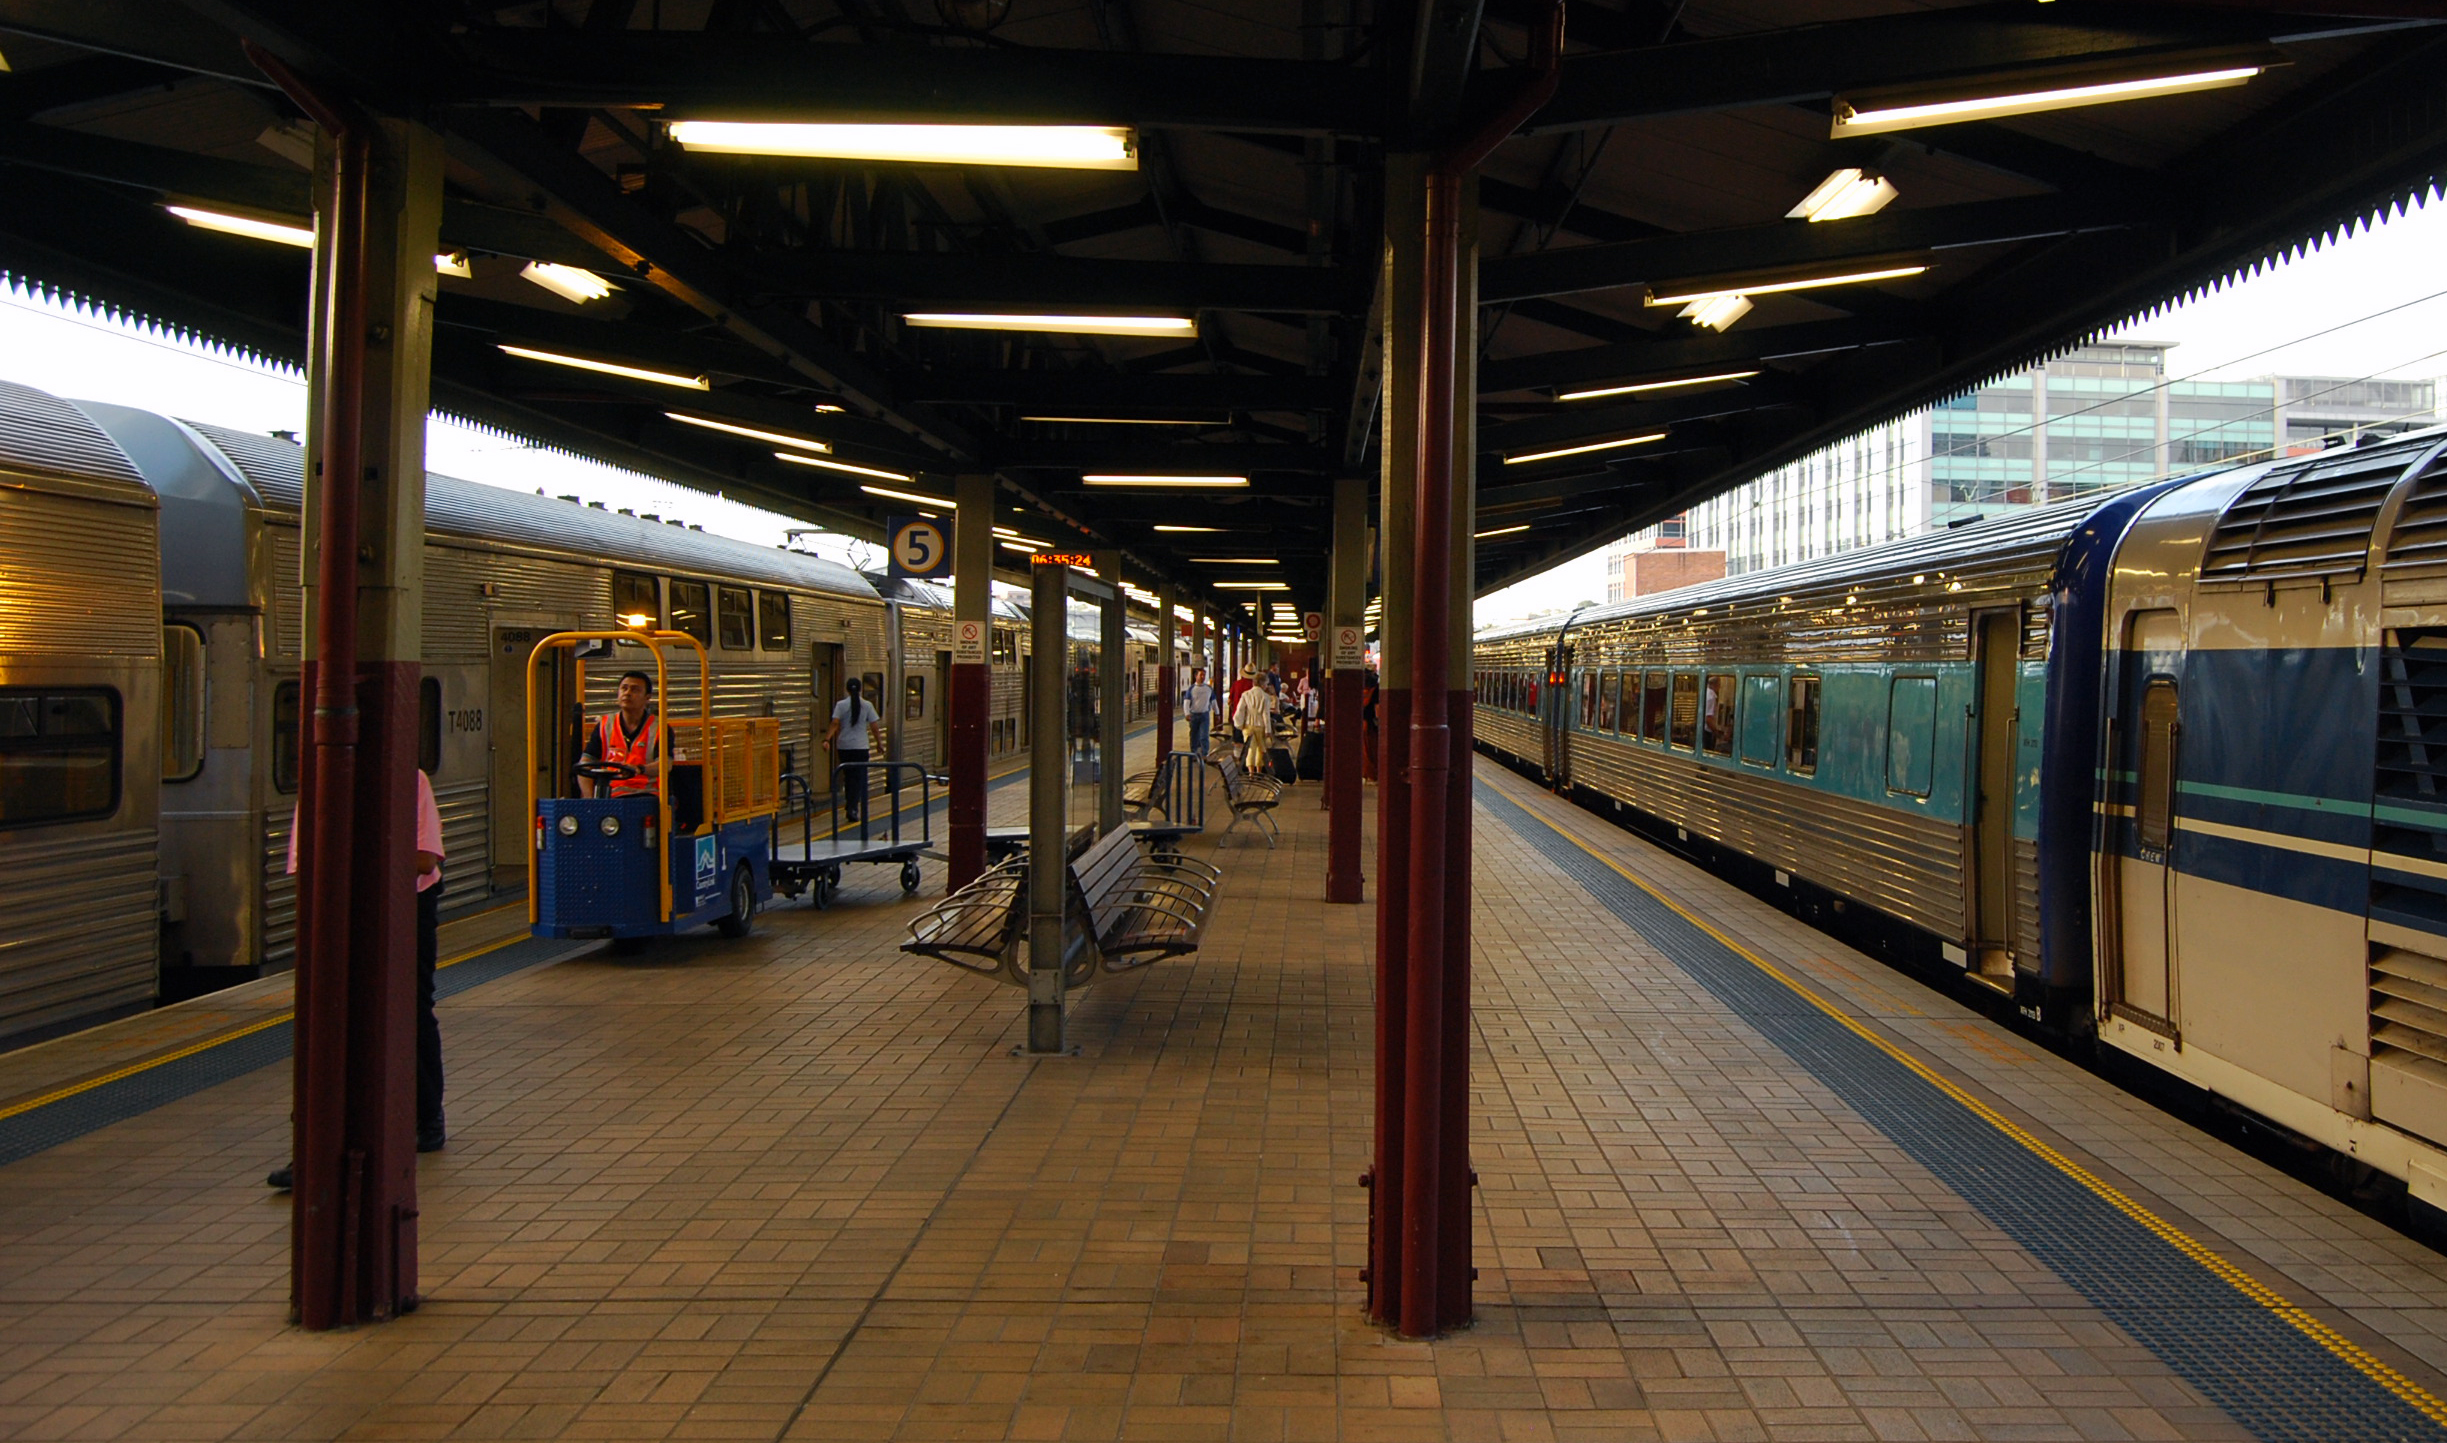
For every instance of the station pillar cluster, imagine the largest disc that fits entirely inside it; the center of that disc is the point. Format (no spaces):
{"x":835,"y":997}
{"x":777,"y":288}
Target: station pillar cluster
{"x":378,"y":202}
{"x":1168,"y":677}
{"x":972,"y":675}
{"x":1347,"y":614}
{"x":1419,"y":1200}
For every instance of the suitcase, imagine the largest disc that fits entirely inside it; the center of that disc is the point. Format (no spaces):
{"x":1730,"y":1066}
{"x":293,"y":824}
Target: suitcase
{"x":1279,"y":762}
{"x":1312,"y":758}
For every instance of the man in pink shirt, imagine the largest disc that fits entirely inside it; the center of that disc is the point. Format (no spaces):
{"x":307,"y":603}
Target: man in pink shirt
{"x":429,"y":1131}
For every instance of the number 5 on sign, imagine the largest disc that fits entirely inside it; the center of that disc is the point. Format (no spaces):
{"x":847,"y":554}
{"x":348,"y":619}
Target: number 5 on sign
{"x":920,"y":548}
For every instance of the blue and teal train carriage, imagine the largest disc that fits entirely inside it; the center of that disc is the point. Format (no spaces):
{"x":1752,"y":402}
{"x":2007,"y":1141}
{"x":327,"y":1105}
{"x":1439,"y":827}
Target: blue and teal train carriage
{"x":696,"y":849}
{"x":2167,"y":767}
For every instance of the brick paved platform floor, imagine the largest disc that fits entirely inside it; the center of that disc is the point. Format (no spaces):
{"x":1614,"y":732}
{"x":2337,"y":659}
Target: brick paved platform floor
{"x":798,"y":1187}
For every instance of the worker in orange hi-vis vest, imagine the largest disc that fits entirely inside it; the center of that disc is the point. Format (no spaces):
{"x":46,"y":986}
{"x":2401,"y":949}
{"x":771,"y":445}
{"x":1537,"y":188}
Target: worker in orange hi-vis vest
{"x":626,"y":738}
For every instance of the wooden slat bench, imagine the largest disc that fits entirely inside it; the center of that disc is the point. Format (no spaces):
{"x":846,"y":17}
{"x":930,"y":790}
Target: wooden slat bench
{"x":1126,"y":910}
{"x":977,"y":928}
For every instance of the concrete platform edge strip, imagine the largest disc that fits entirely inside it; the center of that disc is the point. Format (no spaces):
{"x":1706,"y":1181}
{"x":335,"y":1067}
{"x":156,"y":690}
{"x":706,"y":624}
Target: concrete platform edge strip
{"x":71,"y":1112}
{"x":2280,"y":1372}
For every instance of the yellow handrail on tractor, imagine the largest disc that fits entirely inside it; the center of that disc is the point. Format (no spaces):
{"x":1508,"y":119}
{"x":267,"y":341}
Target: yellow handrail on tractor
{"x":654,"y":642}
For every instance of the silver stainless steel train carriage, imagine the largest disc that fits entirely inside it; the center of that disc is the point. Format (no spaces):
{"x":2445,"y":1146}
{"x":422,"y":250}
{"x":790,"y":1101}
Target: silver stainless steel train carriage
{"x":2167,"y":766}
{"x":81,"y":750}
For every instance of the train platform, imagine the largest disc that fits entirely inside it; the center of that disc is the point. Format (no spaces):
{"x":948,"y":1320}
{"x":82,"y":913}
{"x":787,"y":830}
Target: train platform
{"x":1735,"y":1182}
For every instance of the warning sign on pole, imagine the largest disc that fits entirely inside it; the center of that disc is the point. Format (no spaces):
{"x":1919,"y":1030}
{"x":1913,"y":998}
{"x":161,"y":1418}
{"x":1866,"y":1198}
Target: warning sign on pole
{"x":1313,"y":624}
{"x":1350,"y":647}
{"x":969,"y":643}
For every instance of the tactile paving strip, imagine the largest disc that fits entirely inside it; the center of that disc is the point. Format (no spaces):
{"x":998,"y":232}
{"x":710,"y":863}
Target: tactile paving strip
{"x":2267,"y":1374}
{"x":51,"y":1124}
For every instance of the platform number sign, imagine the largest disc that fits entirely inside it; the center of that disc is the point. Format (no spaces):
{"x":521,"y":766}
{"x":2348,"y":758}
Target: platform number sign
{"x":921,"y":549}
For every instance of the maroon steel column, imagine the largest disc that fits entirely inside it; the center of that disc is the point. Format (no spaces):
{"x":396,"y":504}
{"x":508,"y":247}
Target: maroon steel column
{"x":972,"y":698}
{"x":1434,"y":1176}
{"x":1400,"y":450}
{"x":1168,"y":674}
{"x":369,"y":346}
{"x":1346,"y":614}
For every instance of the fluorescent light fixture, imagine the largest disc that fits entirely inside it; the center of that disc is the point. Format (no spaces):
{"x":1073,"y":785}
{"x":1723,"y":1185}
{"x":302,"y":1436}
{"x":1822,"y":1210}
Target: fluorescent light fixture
{"x":1068,"y":325}
{"x":1025,"y":542}
{"x":1876,"y":117}
{"x":570,"y":283}
{"x":1188,"y":529}
{"x":609,"y":368}
{"x":1716,"y":312}
{"x":1686,"y":292}
{"x":1843,"y":195}
{"x":1121,"y":421}
{"x":301,"y":236}
{"x":1059,"y":147}
{"x":1253,"y":586}
{"x":829,"y":409}
{"x":1614,"y":445}
{"x":777,"y":438}
{"x":1499,"y":531}
{"x":843,"y":466}
{"x":1206,"y":482}
{"x":1027,"y":546}
{"x":455,"y":264}
{"x":1236,"y":560}
{"x":1639,"y":387}
{"x":912,"y":497}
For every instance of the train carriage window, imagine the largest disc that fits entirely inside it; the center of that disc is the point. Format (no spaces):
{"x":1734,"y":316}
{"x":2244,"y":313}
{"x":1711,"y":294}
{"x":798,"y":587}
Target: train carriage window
{"x":691,"y":610}
{"x":182,"y":703}
{"x":1911,"y":735}
{"x":429,"y":726}
{"x":736,"y":611}
{"x":1716,"y":705}
{"x":2154,"y":818}
{"x":1760,"y":713}
{"x":1683,"y":728}
{"x":1653,"y":707}
{"x":913,"y":703}
{"x":773,"y":616}
{"x":636,"y":600}
{"x":1609,"y":701}
{"x":1801,"y":726}
{"x":1588,"y":700}
{"x":284,"y":737}
{"x":59,"y":755}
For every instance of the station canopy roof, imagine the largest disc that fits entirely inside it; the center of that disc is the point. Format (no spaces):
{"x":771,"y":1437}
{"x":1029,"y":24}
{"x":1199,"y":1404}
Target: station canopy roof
{"x":1243,"y":222}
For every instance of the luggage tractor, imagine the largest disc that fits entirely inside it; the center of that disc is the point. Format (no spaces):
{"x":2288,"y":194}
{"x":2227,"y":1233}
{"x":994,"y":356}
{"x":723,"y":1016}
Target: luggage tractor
{"x":632,"y":862}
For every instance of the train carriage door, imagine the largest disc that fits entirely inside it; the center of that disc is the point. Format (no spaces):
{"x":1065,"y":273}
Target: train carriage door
{"x":2142,"y":820}
{"x":1555,"y":715}
{"x":828,"y":679}
{"x":1995,"y":732}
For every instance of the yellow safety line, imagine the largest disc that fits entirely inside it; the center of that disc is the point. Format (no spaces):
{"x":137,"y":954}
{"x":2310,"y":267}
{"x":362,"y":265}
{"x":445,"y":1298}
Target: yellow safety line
{"x":2336,"y":1343}
{"x":191,"y":1049}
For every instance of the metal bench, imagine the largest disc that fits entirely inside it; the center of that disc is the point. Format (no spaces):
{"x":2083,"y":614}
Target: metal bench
{"x":1126,"y":910}
{"x":1248,"y":795}
{"x":1175,"y":791}
{"x":977,"y":928}
{"x":1141,"y":909}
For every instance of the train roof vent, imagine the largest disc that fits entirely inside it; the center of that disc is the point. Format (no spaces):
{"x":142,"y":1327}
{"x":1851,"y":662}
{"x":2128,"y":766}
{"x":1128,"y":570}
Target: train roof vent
{"x":40,"y":432}
{"x":2419,"y":537}
{"x":2304,"y":521}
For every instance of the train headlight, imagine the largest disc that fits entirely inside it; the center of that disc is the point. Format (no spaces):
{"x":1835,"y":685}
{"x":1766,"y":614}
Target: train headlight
{"x":610,"y":826}
{"x":569,"y":826}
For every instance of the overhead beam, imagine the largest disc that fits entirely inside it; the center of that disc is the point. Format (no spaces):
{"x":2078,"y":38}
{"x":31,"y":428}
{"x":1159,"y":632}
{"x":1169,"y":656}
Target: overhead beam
{"x":1041,"y":283}
{"x":1794,"y":243}
{"x":591,"y":206}
{"x":746,"y":76}
{"x":1091,"y":393}
{"x":1688,"y":351}
{"x":1814,"y":62}
{"x":274,"y":190}
{"x":1142,"y":458}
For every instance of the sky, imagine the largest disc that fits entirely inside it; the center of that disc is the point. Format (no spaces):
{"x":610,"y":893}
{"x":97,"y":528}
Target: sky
{"x":2371,"y":305}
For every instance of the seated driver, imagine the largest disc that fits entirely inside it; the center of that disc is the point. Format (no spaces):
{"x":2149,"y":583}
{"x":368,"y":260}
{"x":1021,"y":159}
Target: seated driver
{"x":625,"y":738}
